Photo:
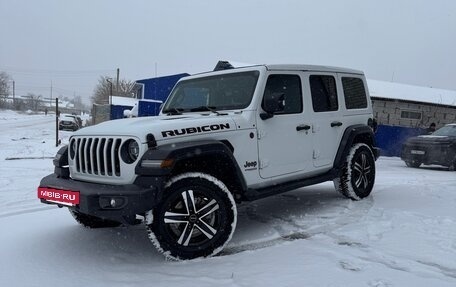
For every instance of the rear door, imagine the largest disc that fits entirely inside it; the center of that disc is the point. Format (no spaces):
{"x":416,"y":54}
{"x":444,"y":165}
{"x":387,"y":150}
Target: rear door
{"x":328,"y":122}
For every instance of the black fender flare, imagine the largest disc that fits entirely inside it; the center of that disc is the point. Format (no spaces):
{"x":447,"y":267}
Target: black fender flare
{"x":352,"y":134}
{"x":182,"y":151}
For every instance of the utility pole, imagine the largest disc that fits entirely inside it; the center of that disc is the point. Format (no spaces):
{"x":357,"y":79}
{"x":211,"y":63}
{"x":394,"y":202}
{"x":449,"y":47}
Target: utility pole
{"x":110,"y":97}
{"x":74,"y":100}
{"x":50,"y":102}
{"x":56,"y":122}
{"x":110,"y":90}
{"x":117,"y":82}
{"x":14,"y":93}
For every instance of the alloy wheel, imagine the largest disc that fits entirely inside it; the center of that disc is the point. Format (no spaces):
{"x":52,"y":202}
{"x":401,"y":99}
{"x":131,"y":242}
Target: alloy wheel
{"x":192,"y":218}
{"x":363,"y":171}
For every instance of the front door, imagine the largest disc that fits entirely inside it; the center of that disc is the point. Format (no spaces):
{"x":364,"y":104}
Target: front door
{"x":284,"y":141}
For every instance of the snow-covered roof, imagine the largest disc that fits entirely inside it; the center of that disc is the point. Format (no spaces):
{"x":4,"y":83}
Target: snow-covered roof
{"x":130,"y":102}
{"x":123,"y":101}
{"x":397,"y":91}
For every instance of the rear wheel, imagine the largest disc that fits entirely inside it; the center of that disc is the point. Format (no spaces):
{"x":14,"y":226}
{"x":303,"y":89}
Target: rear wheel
{"x":358,"y":173}
{"x":196,"y":217}
{"x":89,"y":221}
{"x":413,"y":163}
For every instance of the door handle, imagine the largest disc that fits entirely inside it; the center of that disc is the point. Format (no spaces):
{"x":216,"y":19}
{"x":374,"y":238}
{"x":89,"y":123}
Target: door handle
{"x":303,"y":127}
{"x":336,"y":124}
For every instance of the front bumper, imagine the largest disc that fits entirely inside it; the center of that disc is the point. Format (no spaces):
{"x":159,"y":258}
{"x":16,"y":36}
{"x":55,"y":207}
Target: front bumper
{"x":95,"y":198}
{"x":426,"y":154}
{"x":68,"y":127}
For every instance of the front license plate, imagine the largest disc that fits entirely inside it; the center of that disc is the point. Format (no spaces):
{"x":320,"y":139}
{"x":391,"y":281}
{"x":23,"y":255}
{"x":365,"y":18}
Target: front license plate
{"x":60,"y":196}
{"x":414,"y":151}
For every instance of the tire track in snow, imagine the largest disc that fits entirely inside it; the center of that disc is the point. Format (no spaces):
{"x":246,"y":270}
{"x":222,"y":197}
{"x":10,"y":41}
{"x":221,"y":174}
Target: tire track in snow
{"x":24,"y":211}
{"x":28,"y":123}
{"x":302,"y":228}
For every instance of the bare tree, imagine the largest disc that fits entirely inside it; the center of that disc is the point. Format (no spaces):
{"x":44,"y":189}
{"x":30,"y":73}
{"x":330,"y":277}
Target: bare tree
{"x":4,"y":88}
{"x":78,"y":104}
{"x":106,"y":86}
{"x":19,"y":105}
{"x":125,"y":89}
{"x":33,"y":101}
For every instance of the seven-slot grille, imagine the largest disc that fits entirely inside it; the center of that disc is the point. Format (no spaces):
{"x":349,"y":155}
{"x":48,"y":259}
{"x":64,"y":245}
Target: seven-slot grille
{"x":99,"y":156}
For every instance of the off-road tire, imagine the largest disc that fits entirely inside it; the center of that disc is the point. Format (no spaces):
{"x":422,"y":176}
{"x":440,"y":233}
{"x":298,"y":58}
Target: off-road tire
{"x":357,"y":175}
{"x":89,"y":221}
{"x":196,"y":217}
{"x":413,"y":163}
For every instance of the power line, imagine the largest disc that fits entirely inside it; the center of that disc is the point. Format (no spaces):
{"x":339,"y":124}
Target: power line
{"x":27,"y":70}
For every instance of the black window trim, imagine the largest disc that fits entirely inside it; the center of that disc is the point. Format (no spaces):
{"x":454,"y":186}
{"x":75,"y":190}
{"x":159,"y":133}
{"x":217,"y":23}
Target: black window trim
{"x":365,"y":91}
{"x":335,"y":77}
{"x":301,"y":92}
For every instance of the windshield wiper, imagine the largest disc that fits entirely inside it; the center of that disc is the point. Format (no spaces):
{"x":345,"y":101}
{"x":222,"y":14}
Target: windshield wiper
{"x":207,"y":108}
{"x":173,"y":111}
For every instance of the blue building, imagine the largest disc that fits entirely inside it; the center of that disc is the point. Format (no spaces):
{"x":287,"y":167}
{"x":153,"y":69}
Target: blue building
{"x":150,"y":94}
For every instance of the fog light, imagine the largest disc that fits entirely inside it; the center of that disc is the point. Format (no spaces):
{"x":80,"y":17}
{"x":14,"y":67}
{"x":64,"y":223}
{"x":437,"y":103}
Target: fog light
{"x":112,"y":202}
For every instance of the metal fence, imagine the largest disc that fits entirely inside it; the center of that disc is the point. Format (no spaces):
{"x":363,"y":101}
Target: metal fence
{"x":100,"y":113}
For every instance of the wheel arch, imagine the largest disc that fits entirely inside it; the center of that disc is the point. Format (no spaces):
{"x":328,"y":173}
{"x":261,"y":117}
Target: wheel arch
{"x":212,"y":157}
{"x":353,"y":135}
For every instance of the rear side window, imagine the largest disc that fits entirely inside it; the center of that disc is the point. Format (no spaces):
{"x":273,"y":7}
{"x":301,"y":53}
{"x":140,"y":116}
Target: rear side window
{"x":354,"y":92}
{"x":290,"y":86}
{"x":324,"y":93}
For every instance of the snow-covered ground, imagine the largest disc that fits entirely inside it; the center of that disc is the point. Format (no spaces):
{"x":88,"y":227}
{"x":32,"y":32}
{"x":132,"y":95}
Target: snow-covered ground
{"x":402,"y":235}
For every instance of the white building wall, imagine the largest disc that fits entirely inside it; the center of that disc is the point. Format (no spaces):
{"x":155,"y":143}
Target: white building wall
{"x":388,"y":112}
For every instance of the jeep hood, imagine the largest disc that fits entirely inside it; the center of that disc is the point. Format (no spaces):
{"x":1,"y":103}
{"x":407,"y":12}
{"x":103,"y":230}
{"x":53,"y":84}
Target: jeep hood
{"x":162,"y":127}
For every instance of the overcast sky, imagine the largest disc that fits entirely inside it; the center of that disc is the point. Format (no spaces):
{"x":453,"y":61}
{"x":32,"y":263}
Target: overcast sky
{"x":72,"y":43}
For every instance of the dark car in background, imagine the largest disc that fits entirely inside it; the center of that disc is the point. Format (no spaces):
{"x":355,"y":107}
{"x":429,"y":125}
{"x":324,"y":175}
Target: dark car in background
{"x":68,"y":122}
{"x":437,"y":148}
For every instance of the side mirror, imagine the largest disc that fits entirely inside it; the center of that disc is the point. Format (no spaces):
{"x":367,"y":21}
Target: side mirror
{"x":127,"y":114}
{"x":272,"y":103}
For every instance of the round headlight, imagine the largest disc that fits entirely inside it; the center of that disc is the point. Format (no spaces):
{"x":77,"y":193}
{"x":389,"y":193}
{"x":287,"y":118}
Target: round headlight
{"x":129,"y":151}
{"x":133,"y":150}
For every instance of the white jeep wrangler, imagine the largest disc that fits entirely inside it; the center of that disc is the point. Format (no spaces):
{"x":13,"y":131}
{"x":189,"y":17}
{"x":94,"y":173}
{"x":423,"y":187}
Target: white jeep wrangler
{"x":221,"y":138}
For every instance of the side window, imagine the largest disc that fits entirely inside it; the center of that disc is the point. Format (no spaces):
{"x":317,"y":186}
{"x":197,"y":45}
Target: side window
{"x":324,"y":93}
{"x":412,"y":115}
{"x":354,"y":93}
{"x":290,"y":86}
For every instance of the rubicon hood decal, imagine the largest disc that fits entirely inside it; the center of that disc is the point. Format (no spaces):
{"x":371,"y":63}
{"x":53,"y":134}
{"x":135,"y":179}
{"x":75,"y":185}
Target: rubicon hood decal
{"x":194,"y":130}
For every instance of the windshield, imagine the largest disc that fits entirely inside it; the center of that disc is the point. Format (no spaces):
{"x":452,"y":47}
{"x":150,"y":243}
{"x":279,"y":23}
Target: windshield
{"x":446,"y":131}
{"x":221,"y":92}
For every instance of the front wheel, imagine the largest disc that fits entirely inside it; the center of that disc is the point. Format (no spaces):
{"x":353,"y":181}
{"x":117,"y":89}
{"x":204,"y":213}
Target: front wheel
{"x":357,"y":176}
{"x":196,"y":217}
{"x":413,"y":163}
